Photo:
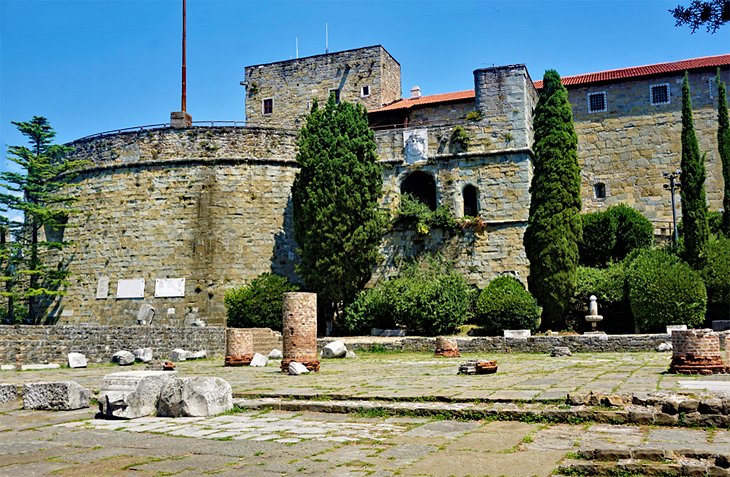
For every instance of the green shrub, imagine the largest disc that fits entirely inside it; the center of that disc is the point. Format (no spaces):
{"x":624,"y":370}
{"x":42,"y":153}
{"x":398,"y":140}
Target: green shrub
{"x":369,"y":310}
{"x":412,"y":210}
{"x":428,"y":298}
{"x":716,"y":275}
{"x":609,"y":287}
{"x":599,"y":238}
{"x":633,"y":230}
{"x":663,"y":290}
{"x":505,"y":304}
{"x":714,"y":220}
{"x":259,"y":304}
{"x":612,"y":234}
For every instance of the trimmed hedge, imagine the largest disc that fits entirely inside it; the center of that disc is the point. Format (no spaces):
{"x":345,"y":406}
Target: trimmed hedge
{"x":259,"y":304}
{"x":505,"y":304}
{"x":663,"y":290}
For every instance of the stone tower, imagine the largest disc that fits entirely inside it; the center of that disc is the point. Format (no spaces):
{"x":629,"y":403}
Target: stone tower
{"x":280,"y":94}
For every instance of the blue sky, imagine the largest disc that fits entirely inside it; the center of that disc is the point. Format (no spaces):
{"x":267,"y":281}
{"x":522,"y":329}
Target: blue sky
{"x":97,"y":65}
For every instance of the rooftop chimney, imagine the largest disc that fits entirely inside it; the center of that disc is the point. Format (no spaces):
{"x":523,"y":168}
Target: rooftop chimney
{"x":415,"y":92}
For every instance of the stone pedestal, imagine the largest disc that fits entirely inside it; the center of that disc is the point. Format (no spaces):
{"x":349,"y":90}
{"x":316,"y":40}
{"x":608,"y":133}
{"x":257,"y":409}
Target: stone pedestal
{"x":696,"y":352}
{"x":180,"y":119}
{"x":239,"y":347}
{"x":446,"y":348}
{"x":299,"y":335}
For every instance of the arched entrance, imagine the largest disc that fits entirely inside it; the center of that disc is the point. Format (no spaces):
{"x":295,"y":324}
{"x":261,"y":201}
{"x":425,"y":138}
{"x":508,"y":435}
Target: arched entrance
{"x":422,"y":186}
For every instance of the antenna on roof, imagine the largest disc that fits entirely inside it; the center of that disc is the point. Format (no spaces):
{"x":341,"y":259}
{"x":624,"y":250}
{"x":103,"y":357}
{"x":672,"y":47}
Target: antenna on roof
{"x":326,"y":38}
{"x":296,"y":45}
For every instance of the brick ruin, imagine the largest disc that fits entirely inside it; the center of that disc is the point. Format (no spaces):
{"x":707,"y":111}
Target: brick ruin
{"x":697,"y":352}
{"x":300,"y":330}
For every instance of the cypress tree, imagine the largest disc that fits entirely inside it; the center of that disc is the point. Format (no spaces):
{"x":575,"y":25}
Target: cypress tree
{"x":554,"y":227}
{"x":336,"y":194}
{"x":723,"y":147}
{"x":694,"y":204}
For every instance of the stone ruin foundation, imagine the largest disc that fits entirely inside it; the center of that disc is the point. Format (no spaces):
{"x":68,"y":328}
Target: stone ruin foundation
{"x":299,"y":334}
{"x":239,"y":347}
{"x":446,"y":348}
{"x":478,"y":367}
{"x":696,"y":352}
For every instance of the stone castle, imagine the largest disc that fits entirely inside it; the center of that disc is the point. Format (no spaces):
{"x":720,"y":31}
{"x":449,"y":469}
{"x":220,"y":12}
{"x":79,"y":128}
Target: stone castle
{"x":173,"y":217}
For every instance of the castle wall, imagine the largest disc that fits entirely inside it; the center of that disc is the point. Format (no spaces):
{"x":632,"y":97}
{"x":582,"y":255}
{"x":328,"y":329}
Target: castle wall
{"x":215,"y":221}
{"x":629,"y":146}
{"x":294,"y":84}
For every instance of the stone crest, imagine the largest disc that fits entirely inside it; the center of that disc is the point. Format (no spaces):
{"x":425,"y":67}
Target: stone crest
{"x":415,"y":145}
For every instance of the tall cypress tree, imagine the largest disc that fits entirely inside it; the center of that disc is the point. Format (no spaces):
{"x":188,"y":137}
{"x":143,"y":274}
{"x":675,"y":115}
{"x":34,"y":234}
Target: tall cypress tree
{"x":694,"y":204}
{"x":554,"y":227}
{"x":336,"y":198}
{"x":723,"y":147}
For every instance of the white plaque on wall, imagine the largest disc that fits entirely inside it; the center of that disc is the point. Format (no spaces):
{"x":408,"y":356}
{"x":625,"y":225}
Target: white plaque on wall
{"x":169,"y":287}
{"x":102,"y":288}
{"x":133,"y":288}
{"x":415,"y":145}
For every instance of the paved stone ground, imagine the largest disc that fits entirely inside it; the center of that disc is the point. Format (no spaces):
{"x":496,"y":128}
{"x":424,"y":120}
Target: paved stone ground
{"x":278,"y":443}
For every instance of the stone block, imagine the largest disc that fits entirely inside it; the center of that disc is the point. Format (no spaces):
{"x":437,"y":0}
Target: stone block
{"x":295,"y":369}
{"x":335,"y":349}
{"x":38,"y":367}
{"x":259,"y":360}
{"x":8,"y":392}
{"x":720,"y":325}
{"x":132,"y":394}
{"x":123,"y":358}
{"x":179,"y":354}
{"x":517,"y":334}
{"x":76,"y":360}
{"x":276,"y":354}
{"x":195,"y":397}
{"x":7,"y":367}
{"x":144,"y":355}
{"x":560,"y":351}
{"x":58,"y":396}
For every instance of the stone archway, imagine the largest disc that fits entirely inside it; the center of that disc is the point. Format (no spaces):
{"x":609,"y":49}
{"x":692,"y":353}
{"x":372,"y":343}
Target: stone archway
{"x":422,"y":186}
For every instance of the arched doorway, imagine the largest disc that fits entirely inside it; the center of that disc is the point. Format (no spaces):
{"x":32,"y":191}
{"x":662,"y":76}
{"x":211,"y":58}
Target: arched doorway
{"x":422,"y":186}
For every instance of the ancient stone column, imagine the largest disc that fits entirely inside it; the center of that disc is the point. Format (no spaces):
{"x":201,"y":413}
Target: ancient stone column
{"x":446,"y":348}
{"x":696,"y":352}
{"x":300,"y":330}
{"x":239,"y":347}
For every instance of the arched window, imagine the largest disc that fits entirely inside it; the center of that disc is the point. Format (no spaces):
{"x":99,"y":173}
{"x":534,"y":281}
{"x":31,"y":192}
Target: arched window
{"x":422,"y":187}
{"x":471,"y":201}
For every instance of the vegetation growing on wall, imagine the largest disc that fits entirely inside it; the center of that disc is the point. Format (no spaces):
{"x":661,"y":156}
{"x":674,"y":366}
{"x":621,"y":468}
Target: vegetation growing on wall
{"x":554,"y":225}
{"x":33,"y":271}
{"x":336,"y":197}
{"x":692,"y":192}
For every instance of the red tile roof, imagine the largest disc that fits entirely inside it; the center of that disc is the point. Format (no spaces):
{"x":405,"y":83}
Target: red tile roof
{"x":648,"y":70}
{"x":588,"y":78}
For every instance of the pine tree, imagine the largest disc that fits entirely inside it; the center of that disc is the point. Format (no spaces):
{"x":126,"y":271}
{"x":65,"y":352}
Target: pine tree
{"x":694,"y":204}
{"x":723,"y":147}
{"x":38,"y":194}
{"x":554,"y":227}
{"x":337,"y":221}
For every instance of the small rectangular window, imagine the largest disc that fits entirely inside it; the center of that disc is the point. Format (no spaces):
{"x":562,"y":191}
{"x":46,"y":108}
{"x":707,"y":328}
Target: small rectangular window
{"x":596,"y":102}
{"x":659,"y":94}
{"x":336,"y":93}
{"x":599,"y":190}
{"x":712,"y":86}
{"x":268,"y":105}
{"x":365,"y":91}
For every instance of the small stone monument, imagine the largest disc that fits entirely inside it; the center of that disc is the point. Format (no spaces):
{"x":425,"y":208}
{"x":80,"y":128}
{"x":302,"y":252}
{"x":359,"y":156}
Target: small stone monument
{"x":593,"y":317}
{"x":446,"y":348}
{"x":299,"y":335}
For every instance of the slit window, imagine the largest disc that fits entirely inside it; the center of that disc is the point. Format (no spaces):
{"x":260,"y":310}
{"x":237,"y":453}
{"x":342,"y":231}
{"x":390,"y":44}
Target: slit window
{"x":336,"y":94}
{"x":599,"y":190}
{"x":268,"y":105}
{"x":471,"y":201}
{"x":596,"y":102}
{"x":712,"y":86}
{"x":659,"y":94}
